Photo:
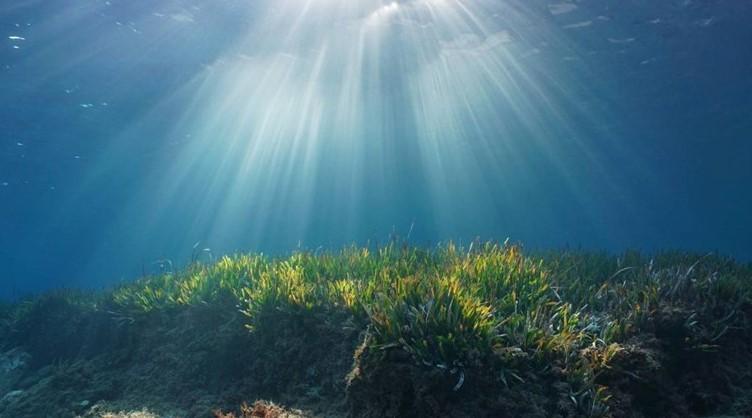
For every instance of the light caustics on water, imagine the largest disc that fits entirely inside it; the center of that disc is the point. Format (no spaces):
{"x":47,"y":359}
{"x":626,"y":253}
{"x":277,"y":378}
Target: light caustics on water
{"x":332,"y":121}
{"x":326,"y":111}
{"x":135,"y":128}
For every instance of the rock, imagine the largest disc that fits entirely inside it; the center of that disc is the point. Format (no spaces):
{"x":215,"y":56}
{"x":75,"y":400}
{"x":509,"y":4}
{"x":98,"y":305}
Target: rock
{"x":13,"y":360}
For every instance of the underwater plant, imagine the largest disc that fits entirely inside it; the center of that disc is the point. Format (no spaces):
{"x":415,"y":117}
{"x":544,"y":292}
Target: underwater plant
{"x":589,"y":330}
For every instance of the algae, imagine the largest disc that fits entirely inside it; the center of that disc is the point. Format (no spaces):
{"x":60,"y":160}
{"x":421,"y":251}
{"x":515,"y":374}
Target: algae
{"x":398,"y":331}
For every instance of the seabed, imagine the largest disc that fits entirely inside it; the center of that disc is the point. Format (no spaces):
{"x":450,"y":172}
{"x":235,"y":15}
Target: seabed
{"x":396,"y":331}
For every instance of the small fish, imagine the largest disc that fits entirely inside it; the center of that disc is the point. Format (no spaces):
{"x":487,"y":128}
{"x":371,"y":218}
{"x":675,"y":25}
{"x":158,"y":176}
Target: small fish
{"x":621,"y":40}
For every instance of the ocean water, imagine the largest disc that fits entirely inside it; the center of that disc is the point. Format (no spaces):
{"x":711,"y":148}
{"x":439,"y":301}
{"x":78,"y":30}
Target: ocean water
{"x":135,"y":134}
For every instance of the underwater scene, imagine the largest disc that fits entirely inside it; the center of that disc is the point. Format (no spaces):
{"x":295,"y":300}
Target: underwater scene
{"x":375,"y":208}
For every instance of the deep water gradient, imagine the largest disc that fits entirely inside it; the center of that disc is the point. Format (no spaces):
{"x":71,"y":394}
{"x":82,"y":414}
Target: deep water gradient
{"x":132,"y":130}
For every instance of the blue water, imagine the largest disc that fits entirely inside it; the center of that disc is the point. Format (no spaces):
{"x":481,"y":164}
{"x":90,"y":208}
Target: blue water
{"x":134,"y":131}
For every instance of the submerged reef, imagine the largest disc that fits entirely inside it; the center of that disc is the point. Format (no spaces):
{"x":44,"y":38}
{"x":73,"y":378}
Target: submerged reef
{"x":398,"y":331}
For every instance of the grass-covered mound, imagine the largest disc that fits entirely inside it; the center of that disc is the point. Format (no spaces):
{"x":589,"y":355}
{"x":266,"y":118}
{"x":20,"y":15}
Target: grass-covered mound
{"x":397,"y":331}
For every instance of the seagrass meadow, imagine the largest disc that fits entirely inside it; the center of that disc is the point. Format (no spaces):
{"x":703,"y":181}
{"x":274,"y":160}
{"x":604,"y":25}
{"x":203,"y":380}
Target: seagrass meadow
{"x":483,"y":330}
{"x":297,"y":208}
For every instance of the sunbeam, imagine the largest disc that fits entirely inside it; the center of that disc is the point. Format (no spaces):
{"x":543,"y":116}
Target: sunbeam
{"x":320,"y":108}
{"x":272,"y":124}
{"x":362,"y":208}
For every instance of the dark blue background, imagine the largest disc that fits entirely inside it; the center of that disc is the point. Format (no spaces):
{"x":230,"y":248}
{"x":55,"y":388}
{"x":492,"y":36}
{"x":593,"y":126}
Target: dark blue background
{"x":668,"y":166}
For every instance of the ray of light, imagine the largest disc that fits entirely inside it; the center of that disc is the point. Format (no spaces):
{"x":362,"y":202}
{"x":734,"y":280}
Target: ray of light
{"x":329,"y":120}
